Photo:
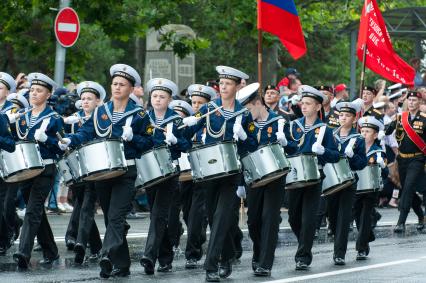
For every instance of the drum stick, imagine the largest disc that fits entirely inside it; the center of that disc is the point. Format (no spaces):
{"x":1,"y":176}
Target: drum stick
{"x":25,"y":112}
{"x":321,"y":134}
{"x":351,"y":142}
{"x":204,"y":116}
{"x":58,"y":135}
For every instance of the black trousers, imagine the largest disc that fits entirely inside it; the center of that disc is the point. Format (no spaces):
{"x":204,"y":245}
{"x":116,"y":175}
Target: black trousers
{"x":362,"y":210}
{"x":340,"y":217}
{"x":221,"y":207}
{"x":302,"y":212}
{"x":194,"y":215}
{"x":35,"y":192}
{"x":158,"y":244}
{"x":82,"y":226}
{"x":264,"y":209}
{"x":8,"y":215}
{"x":322,"y":212}
{"x":115,"y":196}
{"x":411,"y":173}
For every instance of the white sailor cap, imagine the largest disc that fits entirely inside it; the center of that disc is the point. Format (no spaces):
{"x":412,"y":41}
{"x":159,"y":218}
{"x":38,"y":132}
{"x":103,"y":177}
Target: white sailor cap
{"x":8,"y":81}
{"x":378,"y":105}
{"x":127,"y":72}
{"x":93,"y":87}
{"x":247,"y":93}
{"x":162,"y":84}
{"x":182,"y":106}
{"x":42,"y":80}
{"x":135,"y":99}
{"x":395,"y":86}
{"x":397,"y":94}
{"x":18,"y":98}
{"x":371,"y":122}
{"x":78,"y":105}
{"x":346,"y":106}
{"x":207,"y":92}
{"x":226,"y":72}
{"x":308,"y":91}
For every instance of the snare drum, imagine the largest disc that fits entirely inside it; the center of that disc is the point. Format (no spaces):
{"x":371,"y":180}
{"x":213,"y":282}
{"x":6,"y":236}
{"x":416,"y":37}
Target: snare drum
{"x":214,"y":161}
{"x":304,"y":171}
{"x":369,"y":179}
{"x":185,"y":168}
{"x":101,"y":160}
{"x":337,"y":176}
{"x":22,"y":164}
{"x":69,"y":168}
{"x":155,"y":166}
{"x":265,"y":165}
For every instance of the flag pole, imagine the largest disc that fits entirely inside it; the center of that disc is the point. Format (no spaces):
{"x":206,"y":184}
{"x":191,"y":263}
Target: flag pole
{"x":259,"y":60}
{"x":361,"y":87}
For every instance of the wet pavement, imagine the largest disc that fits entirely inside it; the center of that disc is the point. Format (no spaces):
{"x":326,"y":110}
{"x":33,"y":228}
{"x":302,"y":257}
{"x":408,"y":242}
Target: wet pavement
{"x":393,"y":258}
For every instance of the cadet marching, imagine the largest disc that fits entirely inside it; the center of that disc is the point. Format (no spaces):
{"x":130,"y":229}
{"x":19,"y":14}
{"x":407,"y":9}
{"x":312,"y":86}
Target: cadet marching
{"x":325,"y":156}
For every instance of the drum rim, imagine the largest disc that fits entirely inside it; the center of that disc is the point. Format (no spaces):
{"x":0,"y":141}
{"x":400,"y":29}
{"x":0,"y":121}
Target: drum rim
{"x":276,"y":174}
{"x":258,"y":148}
{"x":211,"y":145}
{"x":26,"y":169}
{"x":317,"y":181}
{"x":83,"y":176}
{"x":301,"y":153}
{"x":338,"y":187}
{"x":154,"y":182}
{"x":154,"y":148}
{"x":98,"y":140}
{"x":217,"y":176}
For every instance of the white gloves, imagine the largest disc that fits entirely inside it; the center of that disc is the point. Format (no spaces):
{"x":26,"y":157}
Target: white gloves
{"x":381,"y":162}
{"x":318,"y":149}
{"x":170,"y":138}
{"x":71,"y":120}
{"x":63,"y":145}
{"x":239,"y":132}
{"x":281,"y":138}
{"x":295,"y":99}
{"x":381,"y":135}
{"x":40,"y":136}
{"x":127,"y":133}
{"x":12,"y":117}
{"x":241,"y":192}
{"x":190,"y":121}
{"x":349,"y":152}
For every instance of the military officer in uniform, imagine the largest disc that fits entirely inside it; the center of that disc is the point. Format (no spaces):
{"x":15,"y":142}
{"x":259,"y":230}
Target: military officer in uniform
{"x":119,"y":118}
{"x":410,"y":134}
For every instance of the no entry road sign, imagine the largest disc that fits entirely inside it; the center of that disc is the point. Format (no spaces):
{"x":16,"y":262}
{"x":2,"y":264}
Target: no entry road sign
{"x":67,"y":27}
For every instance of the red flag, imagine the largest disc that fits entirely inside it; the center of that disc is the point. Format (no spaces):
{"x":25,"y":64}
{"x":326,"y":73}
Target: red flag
{"x":380,"y":57}
{"x":280,"y":18}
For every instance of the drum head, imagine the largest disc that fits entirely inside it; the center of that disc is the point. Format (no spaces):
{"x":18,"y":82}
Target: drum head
{"x":23,"y":175}
{"x":105,"y":175}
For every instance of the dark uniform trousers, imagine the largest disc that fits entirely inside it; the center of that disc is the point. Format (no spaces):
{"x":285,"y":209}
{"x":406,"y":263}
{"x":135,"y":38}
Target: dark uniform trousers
{"x":194,"y":215}
{"x":302,"y":211}
{"x":221,"y":210}
{"x":82,"y":226}
{"x":411,"y":172}
{"x":8,"y":215}
{"x":322,"y":212}
{"x":158,"y":244}
{"x":362,"y":210}
{"x":340,"y":217}
{"x":264,"y":204}
{"x":35,"y":192}
{"x":115,"y":196}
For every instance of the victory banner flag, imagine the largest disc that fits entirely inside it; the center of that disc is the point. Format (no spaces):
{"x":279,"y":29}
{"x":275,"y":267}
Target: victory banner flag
{"x":280,"y":18}
{"x":380,"y":55}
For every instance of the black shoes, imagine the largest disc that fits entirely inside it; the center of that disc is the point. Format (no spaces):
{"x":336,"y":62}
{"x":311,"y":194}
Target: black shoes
{"x":262,"y":272}
{"x":191,"y":263}
{"x":80,"y":252}
{"x":164,"y":268}
{"x":339,"y":261}
{"x":254,"y":265}
{"x":48,"y":261}
{"x":225,"y":269}
{"x":106,"y":267}
{"x":301,"y":266}
{"x":37,"y":248}
{"x":361,"y":256}
{"x":399,"y":228}
{"x":70,"y":243}
{"x":22,"y":260}
{"x":148,"y":265}
{"x":420,"y":225}
{"x":212,"y":276}
{"x":120,"y":272}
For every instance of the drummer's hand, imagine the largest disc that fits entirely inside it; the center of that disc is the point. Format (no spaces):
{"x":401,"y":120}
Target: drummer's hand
{"x":63,"y":145}
{"x":40,"y":136}
{"x":381,"y":135}
{"x":318,"y":149}
{"x":127,"y":133}
{"x":71,"y":120}
{"x":381,"y":162}
{"x":349,"y":152}
{"x":190,"y":121}
{"x":12,"y":117}
{"x":170,"y":139}
{"x":241,"y":192}
{"x":239,"y":132}
{"x":281,"y":138}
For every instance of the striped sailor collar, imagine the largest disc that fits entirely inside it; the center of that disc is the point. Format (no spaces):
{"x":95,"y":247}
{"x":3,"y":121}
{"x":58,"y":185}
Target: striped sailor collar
{"x":238,"y":108}
{"x":301,"y":124}
{"x":169,"y":116}
{"x":352,"y":134}
{"x":131,"y":108}
{"x":6,"y":106}
{"x":47,"y":112}
{"x":272,"y":117}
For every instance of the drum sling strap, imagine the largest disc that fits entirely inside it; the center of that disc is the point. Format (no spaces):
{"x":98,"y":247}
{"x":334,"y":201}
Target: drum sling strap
{"x":414,"y":137}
